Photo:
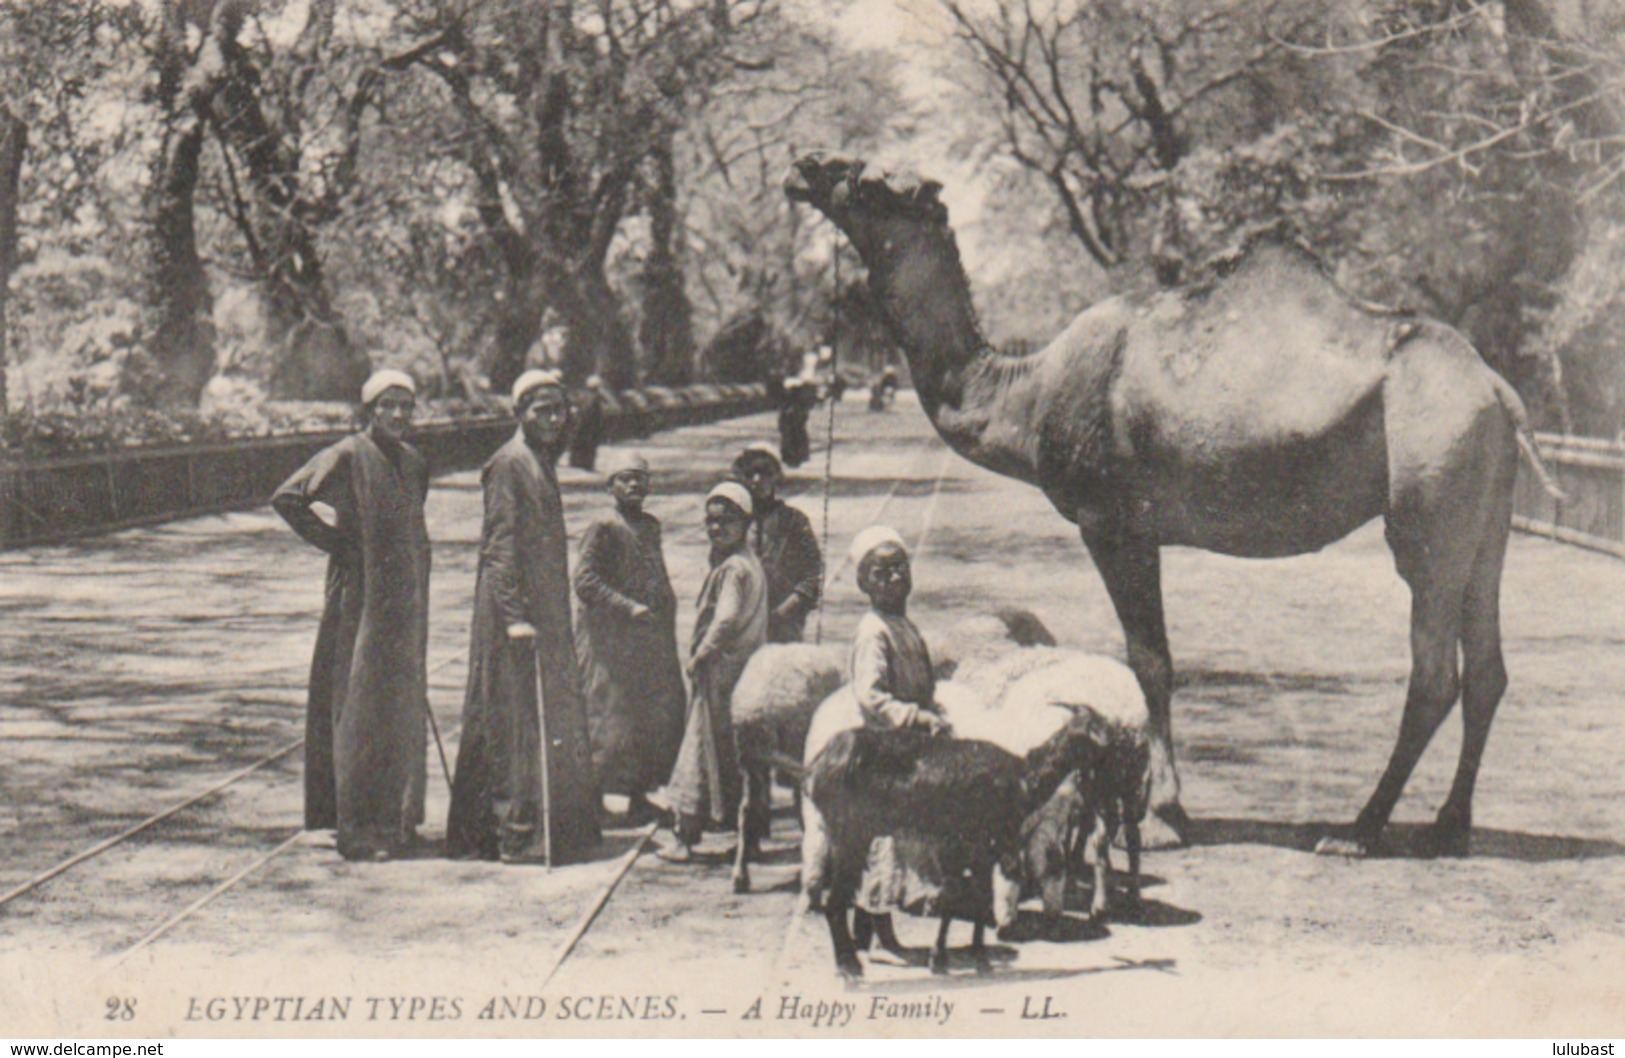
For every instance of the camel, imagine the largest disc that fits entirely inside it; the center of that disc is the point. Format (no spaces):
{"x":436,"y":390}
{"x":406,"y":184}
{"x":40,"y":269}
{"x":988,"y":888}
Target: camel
{"x":1267,"y":414}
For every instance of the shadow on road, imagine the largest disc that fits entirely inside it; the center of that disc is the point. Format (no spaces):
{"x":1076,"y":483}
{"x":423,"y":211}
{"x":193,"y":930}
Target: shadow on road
{"x":1412,"y":841}
{"x":962,"y":974}
{"x":1285,"y":682}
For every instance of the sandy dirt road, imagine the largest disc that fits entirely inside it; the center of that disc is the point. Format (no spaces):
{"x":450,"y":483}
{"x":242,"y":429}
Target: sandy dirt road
{"x":141,"y":668}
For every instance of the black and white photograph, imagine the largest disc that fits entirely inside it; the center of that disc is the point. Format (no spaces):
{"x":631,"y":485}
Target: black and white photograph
{"x":849,"y":519}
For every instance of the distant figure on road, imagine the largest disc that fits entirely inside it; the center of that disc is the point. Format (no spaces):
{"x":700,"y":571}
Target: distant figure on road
{"x":884,"y":390}
{"x":784,"y":541}
{"x":508,"y":802}
{"x":704,"y":789}
{"x":589,"y":426}
{"x":626,"y":640}
{"x":794,"y":410}
{"x":365,"y":731}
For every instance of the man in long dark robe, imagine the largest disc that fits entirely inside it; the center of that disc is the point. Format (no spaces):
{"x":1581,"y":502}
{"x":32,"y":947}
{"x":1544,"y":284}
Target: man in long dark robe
{"x":589,"y":426}
{"x":514,"y":798}
{"x":794,"y":411}
{"x":626,"y":640}
{"x":783,"y":539}
{"x":365,"y":734}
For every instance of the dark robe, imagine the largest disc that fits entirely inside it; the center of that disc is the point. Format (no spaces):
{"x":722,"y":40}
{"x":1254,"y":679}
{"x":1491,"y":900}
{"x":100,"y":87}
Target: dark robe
{"x":794,"y":444}
{"x":634,"y":682}
{"x":732,"y":624}
{"x":503,"y":785}
{"x":783,"y":539}
{"x":588,"y":433}
{"x":365,"y":729}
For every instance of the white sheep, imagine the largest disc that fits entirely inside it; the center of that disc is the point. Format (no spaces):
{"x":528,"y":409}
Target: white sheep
{"x":782,"y":687}
{"x":1017,"y":701}
{"x":772,"y":707}
{"x":984,"y":637}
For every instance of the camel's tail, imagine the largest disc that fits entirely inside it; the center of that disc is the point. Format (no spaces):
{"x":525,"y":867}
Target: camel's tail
{"x":1526,"y":437}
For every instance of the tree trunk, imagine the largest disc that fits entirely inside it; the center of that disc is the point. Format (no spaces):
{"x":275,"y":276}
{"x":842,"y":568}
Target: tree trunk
{"x":599,"y":341}
{"x":666,"y":331}
{"x":313,"y":356}
{"x":182,"y":342}
{"x":13,"y":142}
{"x":181,"y":346}
{"x":518,"y":328}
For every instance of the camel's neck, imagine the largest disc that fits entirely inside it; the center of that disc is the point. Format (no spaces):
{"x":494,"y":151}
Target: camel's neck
{"x":972,"y":393}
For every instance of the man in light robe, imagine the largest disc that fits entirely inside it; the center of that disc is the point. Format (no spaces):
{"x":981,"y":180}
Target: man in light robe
{"x":784,"y":541}
{"x":732,"y":623}
{"x":514,"y":798}
{"x":889,"y":673}
{"x":626,"y":640}
{"x":365,"y":733}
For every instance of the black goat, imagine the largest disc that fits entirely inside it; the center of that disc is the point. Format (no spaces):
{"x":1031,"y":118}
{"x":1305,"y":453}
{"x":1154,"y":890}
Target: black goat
{"x":959,"y":803}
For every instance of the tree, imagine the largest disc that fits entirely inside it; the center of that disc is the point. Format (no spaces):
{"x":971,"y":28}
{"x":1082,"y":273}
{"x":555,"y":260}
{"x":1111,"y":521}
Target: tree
{"x":181,"y":334}
{"x":1103,"y":101}
{"x":759,"y":272}
{"x":559,"y":107}
{"x":13,"y":144}
{"x":72,"y":303}
{"x":1448,"y":156}
{"x":666,"y":327}
{"x":289,"y":122}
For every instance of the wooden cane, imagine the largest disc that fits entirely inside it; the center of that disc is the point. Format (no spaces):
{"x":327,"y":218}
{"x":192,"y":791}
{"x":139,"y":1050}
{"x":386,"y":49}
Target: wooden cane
{"x":547,"y":789}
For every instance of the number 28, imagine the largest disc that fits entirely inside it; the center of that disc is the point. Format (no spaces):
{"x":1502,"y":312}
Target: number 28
{"x":120,"y":1009}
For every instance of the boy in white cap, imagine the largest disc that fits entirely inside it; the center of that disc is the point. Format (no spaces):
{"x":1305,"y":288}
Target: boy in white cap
{"x":704,"y":788}
{"x":889,"y":665}
{"x":521,"y":641}
{"x":626,"y":640}
{"x":365,"y":732}
{"x":890,"y":672}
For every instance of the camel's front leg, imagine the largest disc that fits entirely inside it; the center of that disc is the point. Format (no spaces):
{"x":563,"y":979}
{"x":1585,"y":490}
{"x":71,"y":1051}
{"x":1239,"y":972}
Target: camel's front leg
{"x":1132,"y":570}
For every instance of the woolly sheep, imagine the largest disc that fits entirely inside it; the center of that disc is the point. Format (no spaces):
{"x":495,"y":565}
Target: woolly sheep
{"x":783,"y":685}
{"x":1016,"y":701}
{"x":984,"y":636}
{"x":772,"y":706}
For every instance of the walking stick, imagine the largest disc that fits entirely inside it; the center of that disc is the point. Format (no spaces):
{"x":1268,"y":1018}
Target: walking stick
{"x":547,"y":790}
{"x":439,"y":745}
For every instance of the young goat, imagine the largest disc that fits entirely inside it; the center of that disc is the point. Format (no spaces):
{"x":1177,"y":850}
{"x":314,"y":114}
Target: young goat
{"x":1110,"y":797}
{"x":954,"y":809}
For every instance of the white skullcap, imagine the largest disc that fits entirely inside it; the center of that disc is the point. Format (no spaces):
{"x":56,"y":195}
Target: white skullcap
{"x":871,"y":538}
{"x":388,"y":378}
{"x":594,"y":382}
{"x":761,"y":448}
{"x":532,"y":379}
{"x":734,"y":493}
{"x":619,"y":462}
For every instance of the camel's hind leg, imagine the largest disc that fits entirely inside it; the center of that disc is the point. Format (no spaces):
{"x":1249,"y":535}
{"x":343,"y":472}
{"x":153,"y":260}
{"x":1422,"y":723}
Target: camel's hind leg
{"x":1484,"y":674}
{"x":1435,"y":631}
{"x":1451,"y":461}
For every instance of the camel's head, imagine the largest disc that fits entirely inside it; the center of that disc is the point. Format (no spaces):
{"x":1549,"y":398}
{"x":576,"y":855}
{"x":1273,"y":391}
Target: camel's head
{"x":844,"y":188}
